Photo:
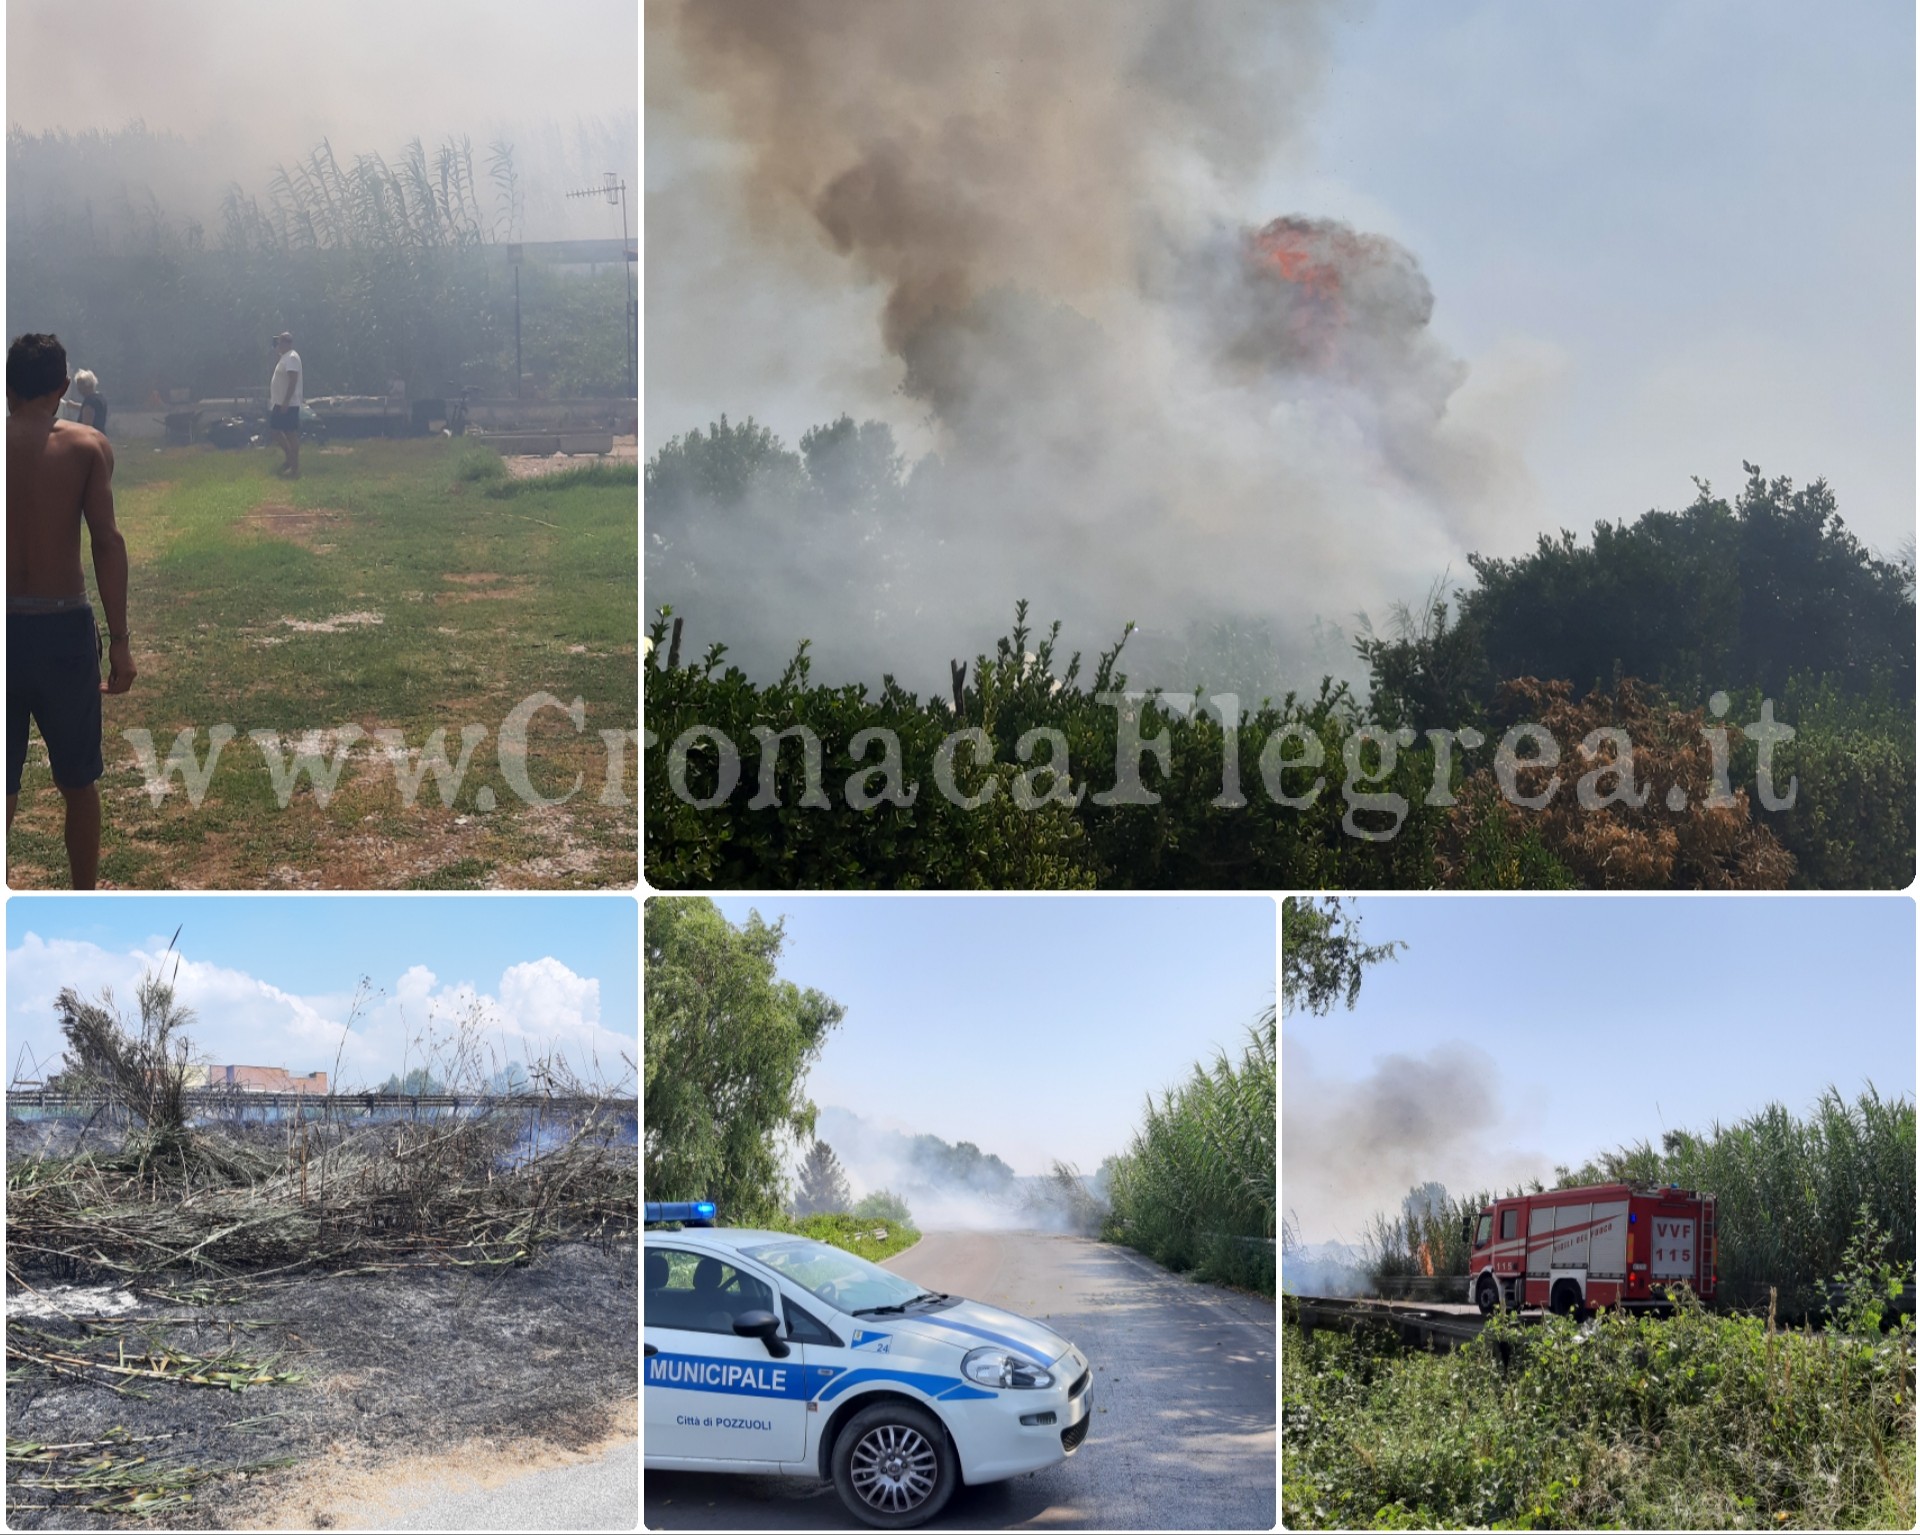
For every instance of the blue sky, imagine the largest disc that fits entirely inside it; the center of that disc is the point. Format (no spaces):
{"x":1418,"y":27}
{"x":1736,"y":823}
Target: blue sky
{"x":273,"y":977}
{"x":1032,"y":1026}
{"x":1515,"y":1033}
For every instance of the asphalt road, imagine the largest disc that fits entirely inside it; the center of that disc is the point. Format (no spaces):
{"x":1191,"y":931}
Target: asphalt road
{"x":1184,"y":1399}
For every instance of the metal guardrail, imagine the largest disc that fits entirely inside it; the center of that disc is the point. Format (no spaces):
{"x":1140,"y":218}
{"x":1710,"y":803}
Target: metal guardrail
{"x":1427,"y":1287}
{"x":40,"y":1098}
{"x":1429,"y":1326}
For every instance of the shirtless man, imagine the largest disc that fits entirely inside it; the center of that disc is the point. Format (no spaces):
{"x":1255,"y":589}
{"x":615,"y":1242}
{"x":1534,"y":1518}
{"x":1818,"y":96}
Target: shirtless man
{"x":59,"y":473}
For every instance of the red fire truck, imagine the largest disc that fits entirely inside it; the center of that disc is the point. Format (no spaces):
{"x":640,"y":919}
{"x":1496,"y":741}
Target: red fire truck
{"x":1613,"y":1244}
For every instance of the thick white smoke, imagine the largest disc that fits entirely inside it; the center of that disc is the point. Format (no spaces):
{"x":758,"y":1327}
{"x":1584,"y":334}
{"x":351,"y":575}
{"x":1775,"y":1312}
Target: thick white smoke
{"x":1147,"y":401}
{"x":941,"y":1195}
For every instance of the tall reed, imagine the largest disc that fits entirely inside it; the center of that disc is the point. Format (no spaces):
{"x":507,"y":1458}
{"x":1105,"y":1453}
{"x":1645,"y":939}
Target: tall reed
{"x":1195,"y":1189}
{"x":1791,"y":1190}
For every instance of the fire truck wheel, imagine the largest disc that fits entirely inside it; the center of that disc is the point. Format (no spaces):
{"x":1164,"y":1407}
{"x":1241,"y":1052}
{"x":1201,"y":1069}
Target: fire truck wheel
{"x":1488,"y":1296}
{"x":1566,"y":1299}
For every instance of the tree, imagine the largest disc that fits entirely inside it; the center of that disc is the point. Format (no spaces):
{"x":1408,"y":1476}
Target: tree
{"x":143,"y":1069}
{"x":1433,"y":671}
{"x":728,"y":1047}
{"x":418,"y":1083}
{"x":853,"y":468}
{"x":718,"y":466}
{"x":964,"y":1164}
{"x":1750,"y":594}
{"x":823,"y":1186}
{"x":1322,"y":956}
{"x":510,"y":1078}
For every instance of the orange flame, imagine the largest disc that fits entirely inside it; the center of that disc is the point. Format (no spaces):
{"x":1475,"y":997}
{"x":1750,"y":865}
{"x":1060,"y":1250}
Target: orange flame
{"x":1311,"y":258}
{"x":1426,"y":1260}
{"x":1288,"y":247}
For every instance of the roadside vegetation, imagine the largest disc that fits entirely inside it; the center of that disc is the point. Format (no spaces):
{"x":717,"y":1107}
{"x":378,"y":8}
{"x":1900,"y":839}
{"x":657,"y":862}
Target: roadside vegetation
{"x":1665,"y":628}
{"x":1194,"y":1190}
{"x":1696,"y":1421}
{"x":865,"y":1238}
{"x":1794,"y":1191}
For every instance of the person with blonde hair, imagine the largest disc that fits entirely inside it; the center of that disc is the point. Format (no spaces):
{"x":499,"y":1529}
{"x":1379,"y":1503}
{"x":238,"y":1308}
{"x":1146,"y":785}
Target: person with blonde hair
{"x":93,"y":404}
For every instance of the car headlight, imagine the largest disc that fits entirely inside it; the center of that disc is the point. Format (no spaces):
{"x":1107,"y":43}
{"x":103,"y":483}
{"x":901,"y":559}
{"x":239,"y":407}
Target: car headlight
{"x":1003,"y":1371}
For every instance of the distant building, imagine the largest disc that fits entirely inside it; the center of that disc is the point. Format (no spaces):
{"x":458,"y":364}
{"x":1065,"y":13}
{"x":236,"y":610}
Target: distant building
{"x":265,"y":1079}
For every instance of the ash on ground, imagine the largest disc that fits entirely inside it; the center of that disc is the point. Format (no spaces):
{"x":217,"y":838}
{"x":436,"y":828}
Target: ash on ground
{"x":407,"y":1360}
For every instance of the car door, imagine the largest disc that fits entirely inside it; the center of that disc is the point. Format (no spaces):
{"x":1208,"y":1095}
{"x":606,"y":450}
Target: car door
{"x":712,"y":1395}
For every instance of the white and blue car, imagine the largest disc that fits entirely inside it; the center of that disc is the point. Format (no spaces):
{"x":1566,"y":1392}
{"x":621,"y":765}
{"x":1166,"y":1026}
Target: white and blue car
{"x":774,"y":1354}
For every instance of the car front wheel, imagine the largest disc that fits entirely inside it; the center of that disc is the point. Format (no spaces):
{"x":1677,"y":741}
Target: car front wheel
{"x":893,"y":1466}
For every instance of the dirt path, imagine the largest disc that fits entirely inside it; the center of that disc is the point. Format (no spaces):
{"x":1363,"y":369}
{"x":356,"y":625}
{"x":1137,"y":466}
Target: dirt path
{"x":485,"y":1485}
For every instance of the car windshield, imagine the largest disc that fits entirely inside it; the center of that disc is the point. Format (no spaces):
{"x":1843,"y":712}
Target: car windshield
{"x":839,"y":1278}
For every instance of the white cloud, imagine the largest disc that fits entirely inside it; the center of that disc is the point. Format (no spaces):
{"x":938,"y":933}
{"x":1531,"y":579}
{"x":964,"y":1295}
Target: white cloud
{"x":545,"y":1000}
{"x":536,"y":1008}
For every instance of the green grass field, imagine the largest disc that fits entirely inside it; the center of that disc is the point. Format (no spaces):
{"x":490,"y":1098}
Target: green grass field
{"x":396,"y":586}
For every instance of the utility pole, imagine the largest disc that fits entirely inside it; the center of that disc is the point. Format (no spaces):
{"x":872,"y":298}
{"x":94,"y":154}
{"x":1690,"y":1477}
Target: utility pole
{"x":615,"y":191}
{"x":513,"y":255}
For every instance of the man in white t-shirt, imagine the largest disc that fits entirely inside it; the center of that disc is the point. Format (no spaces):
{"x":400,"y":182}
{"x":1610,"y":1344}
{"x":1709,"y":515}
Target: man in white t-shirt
{"x":283,"y":404}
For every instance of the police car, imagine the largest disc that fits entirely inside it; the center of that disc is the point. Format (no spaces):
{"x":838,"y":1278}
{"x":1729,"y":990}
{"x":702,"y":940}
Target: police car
{"x":771,"y":1353}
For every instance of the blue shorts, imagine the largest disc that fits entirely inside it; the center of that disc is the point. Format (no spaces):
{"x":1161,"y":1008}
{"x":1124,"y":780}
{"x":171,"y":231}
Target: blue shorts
{"x":284,"y":418}
{"x":53,"y":679}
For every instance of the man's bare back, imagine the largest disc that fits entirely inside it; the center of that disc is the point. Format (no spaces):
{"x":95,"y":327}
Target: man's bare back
{"x":57,"y":473}
{"x":60,"y":474}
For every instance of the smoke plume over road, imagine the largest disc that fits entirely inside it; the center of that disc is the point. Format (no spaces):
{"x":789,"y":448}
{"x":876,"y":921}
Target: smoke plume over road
{"x":1149,"y":400}
{"x":947,"y":1187}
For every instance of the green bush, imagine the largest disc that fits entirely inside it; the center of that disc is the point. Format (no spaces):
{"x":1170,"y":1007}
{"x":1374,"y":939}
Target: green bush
{"x":1692,"y":1422}
{"x":479,"y":465}
{"x":849,"y":1232}
{"x":883,"y":1205}
{"x":1851,"y":826}
{"x":1734,"y":595}
{"x":1851,"y":765}
{"x":1183,"y":841}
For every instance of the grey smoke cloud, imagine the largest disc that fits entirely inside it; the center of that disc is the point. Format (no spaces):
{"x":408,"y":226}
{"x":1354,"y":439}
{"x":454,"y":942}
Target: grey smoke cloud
{"x":1352,"y":1149}
{"x":1138,"y":412}
{"x":248,"y":92}
{"x":875,"y":1158}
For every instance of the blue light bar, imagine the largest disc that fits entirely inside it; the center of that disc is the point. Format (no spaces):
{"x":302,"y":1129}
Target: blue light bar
{"x":699,"y":1212}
